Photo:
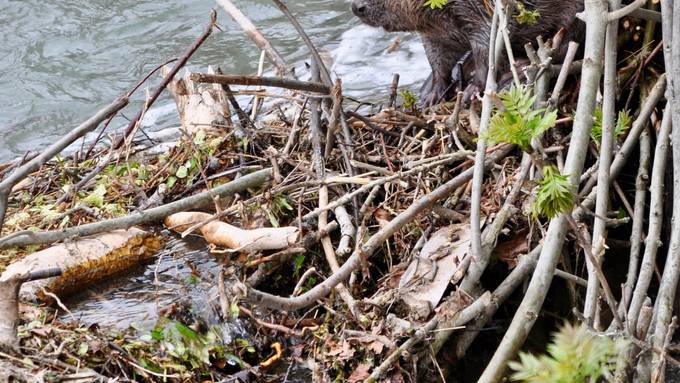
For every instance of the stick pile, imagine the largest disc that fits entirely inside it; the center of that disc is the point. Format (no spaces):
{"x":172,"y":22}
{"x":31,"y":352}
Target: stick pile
{"x":401,"y":227}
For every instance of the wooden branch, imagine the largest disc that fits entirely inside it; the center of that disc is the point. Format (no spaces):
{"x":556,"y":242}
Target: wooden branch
{"x":655,"y":222}
{"x":258,"y":38}
{"x":9,"y":303}
{"x":490,"y":236}
{"x":526,"y":314}
{"x":519,"y":274}
{"x":625,"y":11}
{"x":325,"y":75}
{"x":371,"y":125}
{"x":628,"y":147}
{"x":139,"y":217}
{"x":495,"y":45}
{"x":168,"y":78}
{"x":261,"y":81}
{"x":636,"y":235}
{"x":663,"y":308}
{"x":33,"y":165}
{"x":369,"y":186}
{"x":605,"y":160}
{"x":373,"y":244}
{"x":459,"y":319}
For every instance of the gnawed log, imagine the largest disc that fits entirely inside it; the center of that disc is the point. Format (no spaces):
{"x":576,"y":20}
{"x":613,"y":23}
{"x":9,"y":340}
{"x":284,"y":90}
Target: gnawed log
{"x":83,"y":262}
{"x":199,"y":107}
{"x":232,"y":237}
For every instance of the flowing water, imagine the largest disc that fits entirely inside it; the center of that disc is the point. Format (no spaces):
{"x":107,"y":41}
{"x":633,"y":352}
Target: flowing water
{"x":61,"y":60}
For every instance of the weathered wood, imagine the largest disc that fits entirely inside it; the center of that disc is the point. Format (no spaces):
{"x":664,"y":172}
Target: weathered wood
{"x":261,"y":81}
{"x":83,"y":262}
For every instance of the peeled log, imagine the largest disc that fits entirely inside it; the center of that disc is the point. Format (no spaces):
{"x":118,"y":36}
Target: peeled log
{"x":83,"y":261}
{"x":232,"y":237}
{"x":199,"y":108}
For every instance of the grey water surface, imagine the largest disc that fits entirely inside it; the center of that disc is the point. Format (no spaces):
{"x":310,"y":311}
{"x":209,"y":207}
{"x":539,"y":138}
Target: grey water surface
{"x":61,"y":60}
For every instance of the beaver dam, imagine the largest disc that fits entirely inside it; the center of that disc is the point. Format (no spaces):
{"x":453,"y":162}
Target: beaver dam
{"x":286,"y":233}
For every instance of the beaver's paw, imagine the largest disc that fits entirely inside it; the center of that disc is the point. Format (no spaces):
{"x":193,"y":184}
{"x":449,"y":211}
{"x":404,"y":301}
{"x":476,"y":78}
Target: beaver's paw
{"x":435,"y":91}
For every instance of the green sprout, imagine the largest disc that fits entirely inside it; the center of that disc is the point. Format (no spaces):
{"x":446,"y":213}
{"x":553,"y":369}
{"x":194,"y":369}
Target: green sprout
{"x":526,"y":16}
{"x":575,"y":355}
{"x":409,"y":98}
{"x":554,"y":195}
{"x":518,"y":124}
{"x":435,"y":4}
{"x":623,"y":122}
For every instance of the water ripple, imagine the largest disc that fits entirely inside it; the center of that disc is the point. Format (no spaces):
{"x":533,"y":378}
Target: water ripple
{"x":60,"y":61}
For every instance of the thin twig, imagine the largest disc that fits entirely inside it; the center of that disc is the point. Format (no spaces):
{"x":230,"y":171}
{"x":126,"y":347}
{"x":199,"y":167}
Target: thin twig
{"x":168,"y":78}
{"x":139,"y":217}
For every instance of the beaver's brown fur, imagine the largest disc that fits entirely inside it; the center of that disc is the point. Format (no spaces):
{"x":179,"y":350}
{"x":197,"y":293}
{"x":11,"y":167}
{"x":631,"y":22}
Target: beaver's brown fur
{"x":463,"y":26}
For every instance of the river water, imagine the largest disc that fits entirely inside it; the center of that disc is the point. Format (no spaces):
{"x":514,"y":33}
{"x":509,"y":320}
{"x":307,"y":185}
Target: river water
{"x":61,"y":60}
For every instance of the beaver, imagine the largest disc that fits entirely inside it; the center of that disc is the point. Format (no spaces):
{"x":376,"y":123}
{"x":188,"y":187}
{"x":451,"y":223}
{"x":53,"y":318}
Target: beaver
{"x":462,"y":27}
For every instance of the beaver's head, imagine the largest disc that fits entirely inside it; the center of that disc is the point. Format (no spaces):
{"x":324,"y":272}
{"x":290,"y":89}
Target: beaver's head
{"x":392,"y":15}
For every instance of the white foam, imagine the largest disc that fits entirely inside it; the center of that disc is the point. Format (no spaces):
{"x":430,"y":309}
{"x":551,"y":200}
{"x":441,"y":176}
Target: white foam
{"x":363,"y":62}
{"x":157,"y":112}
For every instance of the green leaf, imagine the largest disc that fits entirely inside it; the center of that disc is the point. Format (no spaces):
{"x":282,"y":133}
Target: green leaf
{"x":186,"y":331}
{"x":157,"y":334}
{"x":170,"y":182}
{"x":199,"y":138}
{"x":182,"y":172}
{"x":409,"y":98}
{"x":281,"y":202}
{"x":623,"y":122}
{"x":298,"y":262}
{"x":311,"y":281}
{"x":96,"y":198}
{"x":574,"y":355}
{"x":234,"y":310}
{"x":64,"y":222}
{"x":272,"y":218}
{"x":518,"y":124}
{"x":82,"y":348}
{"x":17,"y":218}
{"x":235,"y":359}
{"x":114,"y":209}
{"x":49,"y":212}
{"x":554,"y":195}
{"x":192,"y":280}
{"x":526,"y":16}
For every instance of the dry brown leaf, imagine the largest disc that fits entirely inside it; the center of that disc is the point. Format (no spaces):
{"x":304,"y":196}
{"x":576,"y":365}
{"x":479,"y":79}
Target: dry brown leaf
{"x":508,"y":251}
{"x":375,"y":347}
{"x":382,"y":216}
{"x":428,"y":276}
{"x":360,"y":373}
{"x":395,"y":377}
